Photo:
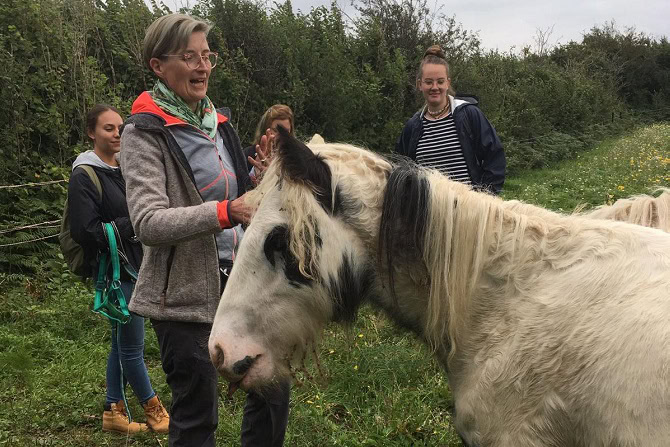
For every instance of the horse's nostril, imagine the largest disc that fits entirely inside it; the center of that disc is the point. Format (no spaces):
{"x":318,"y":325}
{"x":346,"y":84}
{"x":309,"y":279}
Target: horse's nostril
{"x":242,"y":366}
{"x":218,"y":357}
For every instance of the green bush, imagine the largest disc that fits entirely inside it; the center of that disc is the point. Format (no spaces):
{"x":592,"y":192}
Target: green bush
{"x":350,"y":80}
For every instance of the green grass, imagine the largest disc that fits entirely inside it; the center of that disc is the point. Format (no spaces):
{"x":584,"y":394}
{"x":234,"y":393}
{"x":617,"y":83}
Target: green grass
{"x":621,"y":167}
{"x":380,"y":385}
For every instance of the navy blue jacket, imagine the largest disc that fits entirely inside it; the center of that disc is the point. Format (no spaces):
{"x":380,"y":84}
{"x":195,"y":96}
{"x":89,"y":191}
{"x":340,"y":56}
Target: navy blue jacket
{"x":483,"y":152}
{"x":87,"y":213}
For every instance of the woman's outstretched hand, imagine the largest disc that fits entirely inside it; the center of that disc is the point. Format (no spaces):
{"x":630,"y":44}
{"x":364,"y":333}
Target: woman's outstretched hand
{"x":264,"y":155}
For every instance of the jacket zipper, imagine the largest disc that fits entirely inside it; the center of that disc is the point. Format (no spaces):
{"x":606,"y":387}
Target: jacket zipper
{"x":171,"y":255}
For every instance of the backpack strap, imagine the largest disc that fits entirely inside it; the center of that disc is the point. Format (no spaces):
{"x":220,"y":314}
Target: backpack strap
{"x":94,"y":178}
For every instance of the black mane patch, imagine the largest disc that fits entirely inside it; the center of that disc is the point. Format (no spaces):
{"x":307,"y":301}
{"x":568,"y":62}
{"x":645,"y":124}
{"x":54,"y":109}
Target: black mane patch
{"x":402,"y":225}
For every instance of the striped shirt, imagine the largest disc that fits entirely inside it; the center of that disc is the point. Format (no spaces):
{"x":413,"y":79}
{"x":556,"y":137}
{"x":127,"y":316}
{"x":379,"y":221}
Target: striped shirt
{"x":439,"y":148}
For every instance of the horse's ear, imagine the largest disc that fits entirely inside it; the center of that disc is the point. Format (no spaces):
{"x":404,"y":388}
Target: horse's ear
{"x":299,"y":164}
{"x":316,"y":139}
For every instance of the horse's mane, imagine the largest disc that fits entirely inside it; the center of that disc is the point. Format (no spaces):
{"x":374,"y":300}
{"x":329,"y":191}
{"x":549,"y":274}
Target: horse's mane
{"x":642,"y":209}
{"x":455,"y":231}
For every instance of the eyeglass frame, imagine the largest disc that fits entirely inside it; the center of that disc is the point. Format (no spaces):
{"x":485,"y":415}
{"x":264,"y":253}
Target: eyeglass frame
{"x":195,"y":55}
{"x":430,"y":82}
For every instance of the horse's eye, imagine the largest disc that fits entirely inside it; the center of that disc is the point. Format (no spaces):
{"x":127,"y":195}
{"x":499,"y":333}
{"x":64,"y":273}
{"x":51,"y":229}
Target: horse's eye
{"x":276,"y":241}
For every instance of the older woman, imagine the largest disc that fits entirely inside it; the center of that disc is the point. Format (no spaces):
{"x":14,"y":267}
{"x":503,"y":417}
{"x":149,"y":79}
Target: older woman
{"x":451,"y":134}
{"x":186,"y":176}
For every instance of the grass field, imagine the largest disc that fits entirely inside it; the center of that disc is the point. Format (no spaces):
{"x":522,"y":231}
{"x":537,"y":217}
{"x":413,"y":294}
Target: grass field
{"x":380,"y":385}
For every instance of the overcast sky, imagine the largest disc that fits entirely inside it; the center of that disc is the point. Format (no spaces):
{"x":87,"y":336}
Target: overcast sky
{"x":503,"y":24}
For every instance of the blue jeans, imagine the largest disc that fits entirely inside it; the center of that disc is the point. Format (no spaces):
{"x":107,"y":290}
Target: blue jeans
{"x":131,"y":337}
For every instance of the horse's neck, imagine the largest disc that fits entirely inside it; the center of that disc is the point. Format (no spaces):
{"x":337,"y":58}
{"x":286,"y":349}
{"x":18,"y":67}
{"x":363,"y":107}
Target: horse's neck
{"x":526,"y":242}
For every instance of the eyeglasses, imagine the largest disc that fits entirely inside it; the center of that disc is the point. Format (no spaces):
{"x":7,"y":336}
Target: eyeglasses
{"x":193,"y":60}
{"x":430,"y":82}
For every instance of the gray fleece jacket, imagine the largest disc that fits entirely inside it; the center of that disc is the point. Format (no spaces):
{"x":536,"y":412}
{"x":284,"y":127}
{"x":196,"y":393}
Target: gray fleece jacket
{"x":179,"y":277}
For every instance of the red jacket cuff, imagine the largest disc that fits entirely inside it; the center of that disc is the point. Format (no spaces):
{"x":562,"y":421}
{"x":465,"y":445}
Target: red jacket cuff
{"x":222,"y":213}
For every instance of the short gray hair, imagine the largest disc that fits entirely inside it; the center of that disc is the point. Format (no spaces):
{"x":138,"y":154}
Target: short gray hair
{"x":170,"y":33}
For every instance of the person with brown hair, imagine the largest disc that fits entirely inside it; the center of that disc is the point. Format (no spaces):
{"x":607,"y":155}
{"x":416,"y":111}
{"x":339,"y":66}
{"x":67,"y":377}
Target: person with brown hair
{"x":88,"y":209}
{"x":276,"y":115}
{"x":451,"y":134}
{"x":186,"y":179}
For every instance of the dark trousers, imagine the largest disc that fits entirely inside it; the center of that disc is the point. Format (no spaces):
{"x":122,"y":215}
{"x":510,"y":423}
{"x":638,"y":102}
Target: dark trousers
{"x":192,"y":379}
{"x":265,"y":418}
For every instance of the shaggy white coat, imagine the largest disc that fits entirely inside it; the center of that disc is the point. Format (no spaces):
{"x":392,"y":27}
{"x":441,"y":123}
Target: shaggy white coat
{"x":647,"y":210}
{"x":554,"y":330}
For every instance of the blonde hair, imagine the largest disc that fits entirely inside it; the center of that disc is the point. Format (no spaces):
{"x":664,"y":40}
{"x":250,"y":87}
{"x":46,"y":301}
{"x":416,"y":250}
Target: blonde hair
{"x":170,"y":33}
{"x":275,"y":112}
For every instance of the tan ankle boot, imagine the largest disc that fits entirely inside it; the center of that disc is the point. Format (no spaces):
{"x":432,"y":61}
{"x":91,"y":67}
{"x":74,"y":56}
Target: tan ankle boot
{"x":116,"y":419}
{"x":156,"y":415}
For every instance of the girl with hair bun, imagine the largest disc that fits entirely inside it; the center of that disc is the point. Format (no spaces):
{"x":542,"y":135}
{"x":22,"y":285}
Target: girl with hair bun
{"x":451,"y":134}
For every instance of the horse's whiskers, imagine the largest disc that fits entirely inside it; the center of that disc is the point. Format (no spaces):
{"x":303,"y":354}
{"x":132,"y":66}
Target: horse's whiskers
{"x":287,"y":359}
{"x":318,"y":363}
{"x":303,"y":368}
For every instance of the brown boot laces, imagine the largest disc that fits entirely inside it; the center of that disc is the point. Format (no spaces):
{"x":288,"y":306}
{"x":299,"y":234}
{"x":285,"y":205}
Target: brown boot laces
{"x":157,"y":411}
{"x":122,"y":411}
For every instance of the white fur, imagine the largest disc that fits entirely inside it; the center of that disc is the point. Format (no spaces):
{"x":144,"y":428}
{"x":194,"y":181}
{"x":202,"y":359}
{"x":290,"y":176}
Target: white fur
{"x":555,"y":330}
{"x":642,"y":209}
{"x":316,"y":139}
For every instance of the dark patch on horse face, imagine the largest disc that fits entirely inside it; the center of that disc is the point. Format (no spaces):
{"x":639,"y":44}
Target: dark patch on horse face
{"x":276,"y":242}
{"x":349,"y":287}
{"x":301,"y":165}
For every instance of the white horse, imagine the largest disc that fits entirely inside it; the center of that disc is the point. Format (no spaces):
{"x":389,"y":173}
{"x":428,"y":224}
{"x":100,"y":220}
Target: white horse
{"x":553,"y":330}
{"x":642,"y":209}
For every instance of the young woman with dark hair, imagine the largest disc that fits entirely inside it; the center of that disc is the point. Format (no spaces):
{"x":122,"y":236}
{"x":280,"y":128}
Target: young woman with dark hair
{"x":88,"y":211}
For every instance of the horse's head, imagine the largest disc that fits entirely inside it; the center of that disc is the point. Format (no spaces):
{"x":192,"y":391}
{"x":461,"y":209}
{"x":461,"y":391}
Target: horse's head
{"x":307,"y":258}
